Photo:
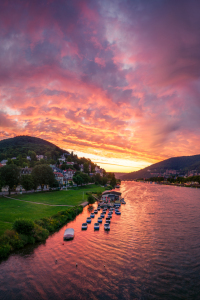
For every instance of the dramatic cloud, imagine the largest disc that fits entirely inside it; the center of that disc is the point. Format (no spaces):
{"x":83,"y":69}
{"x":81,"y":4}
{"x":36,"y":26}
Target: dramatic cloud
{"x":120,"y":79}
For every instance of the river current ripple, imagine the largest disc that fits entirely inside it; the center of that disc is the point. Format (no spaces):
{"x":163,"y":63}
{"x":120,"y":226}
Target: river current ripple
{"x":151,"y":252}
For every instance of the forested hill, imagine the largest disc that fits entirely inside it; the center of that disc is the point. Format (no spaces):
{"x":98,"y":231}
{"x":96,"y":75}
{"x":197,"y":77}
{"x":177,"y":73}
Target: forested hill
{"x":182,"y":164}
{"x":22,"y":144}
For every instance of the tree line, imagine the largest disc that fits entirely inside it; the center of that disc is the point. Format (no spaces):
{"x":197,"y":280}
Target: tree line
{"x":42,"y":174}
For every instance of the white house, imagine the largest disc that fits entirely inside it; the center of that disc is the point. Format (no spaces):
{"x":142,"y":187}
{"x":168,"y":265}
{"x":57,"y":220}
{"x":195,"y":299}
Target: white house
{"x":40,"y":157}
{"x":59,"y":177}
{"x":3,"y":162}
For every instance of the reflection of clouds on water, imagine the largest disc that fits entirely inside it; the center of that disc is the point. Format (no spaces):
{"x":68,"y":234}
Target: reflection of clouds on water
{"x":154,"y":244}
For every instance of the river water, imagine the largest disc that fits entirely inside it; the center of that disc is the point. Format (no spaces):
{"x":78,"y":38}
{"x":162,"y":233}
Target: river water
{"x":151,"y":252}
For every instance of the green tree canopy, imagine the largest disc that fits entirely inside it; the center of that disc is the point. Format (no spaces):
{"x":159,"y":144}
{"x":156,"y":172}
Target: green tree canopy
{"x":10,"y":175}
{"x":113,"y":181}
{"x":78,"y":179}
{"x":32,"y":155}
{"x":91,"y":199}
{"x":86,"y":167}
{"x":43,"y":174}
{"x":27,"y":182}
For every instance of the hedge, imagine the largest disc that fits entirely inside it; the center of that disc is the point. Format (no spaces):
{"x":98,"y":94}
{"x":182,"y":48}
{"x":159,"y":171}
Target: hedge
{"x":28,"y":232}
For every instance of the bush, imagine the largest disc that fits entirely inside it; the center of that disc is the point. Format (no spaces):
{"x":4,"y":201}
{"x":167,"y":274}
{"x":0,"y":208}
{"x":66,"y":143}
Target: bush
{"x":5,"y":250}
{"x":40,"y":234}
{"x":23,"y":226}
{"x":28,"y":232}
{"x":91,"y":199}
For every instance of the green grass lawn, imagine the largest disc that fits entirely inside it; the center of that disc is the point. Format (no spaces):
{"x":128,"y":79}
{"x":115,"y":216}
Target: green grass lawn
{"x":10,"y":210}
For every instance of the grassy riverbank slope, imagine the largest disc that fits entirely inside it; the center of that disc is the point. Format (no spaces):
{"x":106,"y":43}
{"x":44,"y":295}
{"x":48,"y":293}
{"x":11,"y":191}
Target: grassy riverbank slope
{"x":10,"y":209}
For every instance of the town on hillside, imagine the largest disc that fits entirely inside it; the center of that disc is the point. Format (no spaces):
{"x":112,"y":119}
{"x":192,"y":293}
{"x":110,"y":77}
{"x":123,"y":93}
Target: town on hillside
{"x":42,"y":172}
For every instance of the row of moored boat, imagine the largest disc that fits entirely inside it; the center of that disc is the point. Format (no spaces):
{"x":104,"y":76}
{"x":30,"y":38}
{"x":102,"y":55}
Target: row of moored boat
{"x":102,"y":216}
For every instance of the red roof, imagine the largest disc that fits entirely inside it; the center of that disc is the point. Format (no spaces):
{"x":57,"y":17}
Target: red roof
{"x":58,"y":174}
{"x":1,"y":165}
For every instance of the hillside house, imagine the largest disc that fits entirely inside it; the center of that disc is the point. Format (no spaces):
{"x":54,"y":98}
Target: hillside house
{"x":59,"y":177}
{"x":26,"y":171}
{"x":3,"y":162}
{"x":39,"y":157}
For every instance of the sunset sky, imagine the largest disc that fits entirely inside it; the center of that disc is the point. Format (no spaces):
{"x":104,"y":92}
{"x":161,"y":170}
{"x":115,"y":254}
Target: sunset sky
{"x":117,"y":81}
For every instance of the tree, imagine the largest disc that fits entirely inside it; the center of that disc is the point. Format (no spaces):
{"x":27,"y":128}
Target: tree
{"x":113,"y":181}
{"x":85,"y":178}
{"x":78,"y":179}
{"x":91,"y":199}
{"x":43,"y":174}
{"x":32,"y":155}
{"x":86,"y":167}
{"x":10,"y":175}
{"x":27,"y":182}
{"x":10,"y":162}
{"x":104,"y":180}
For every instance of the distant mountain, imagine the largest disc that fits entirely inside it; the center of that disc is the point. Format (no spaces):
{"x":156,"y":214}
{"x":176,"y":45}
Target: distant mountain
{"x":119,"y":175}
{"x":181,"y":164}
{"x":22,"y":144}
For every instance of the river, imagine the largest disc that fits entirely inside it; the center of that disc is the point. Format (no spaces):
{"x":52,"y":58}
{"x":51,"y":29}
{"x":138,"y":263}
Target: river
{"x":152,"y":251}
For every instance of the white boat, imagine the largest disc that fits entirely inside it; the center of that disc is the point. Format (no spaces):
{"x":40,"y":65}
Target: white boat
{"x":99,"y":220}
{"x":106,"y":226}
{"x":96,"y":211}
{"x":69,"y":234}
{"x":92,"y":215}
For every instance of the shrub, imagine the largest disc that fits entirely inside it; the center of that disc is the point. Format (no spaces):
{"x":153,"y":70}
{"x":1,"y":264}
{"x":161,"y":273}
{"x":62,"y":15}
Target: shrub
{"x":40,"y":234}
{"x":23,"y":226}
{"x":5,"y":250}
{"x":91,"y":199}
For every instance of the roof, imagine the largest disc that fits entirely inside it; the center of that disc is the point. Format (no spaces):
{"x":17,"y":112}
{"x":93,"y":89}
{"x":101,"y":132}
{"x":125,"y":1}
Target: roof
{"x":111,"y":192}
{"x":58,"y":174}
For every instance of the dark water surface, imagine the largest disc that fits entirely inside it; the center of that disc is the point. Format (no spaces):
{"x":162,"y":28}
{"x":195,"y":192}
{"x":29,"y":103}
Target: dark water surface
{"x":151,"y":252}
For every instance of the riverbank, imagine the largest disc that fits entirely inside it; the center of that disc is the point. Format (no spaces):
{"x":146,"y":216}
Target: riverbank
{"x":25,"y":231}
{"x":38,"y":205}
{"x":42,"y":211}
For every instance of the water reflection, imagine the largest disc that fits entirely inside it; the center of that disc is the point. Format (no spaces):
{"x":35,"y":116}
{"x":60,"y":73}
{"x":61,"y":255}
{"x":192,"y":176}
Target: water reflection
{"x":150,"y":252}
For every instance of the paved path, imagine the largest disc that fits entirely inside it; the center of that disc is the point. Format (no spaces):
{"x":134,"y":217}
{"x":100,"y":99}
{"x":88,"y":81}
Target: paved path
{"x":39,"y":202}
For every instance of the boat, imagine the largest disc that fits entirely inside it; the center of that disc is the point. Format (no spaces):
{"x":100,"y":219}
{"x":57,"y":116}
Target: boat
{"x":84,"y":226}
{"x":118,"y":212}
{"x":110,"y":212}
{"x":110,"y":215}
{"x":96,"y":226}
{"x":99,"y":220}
{"x":68,"y":234}
{"x":106,"y":226}
{"x":92,"y":215}
{"x":95,"y":211}
{"x":123,"y":202}
{"x":98,"y":208}
{"x":108,"y":220}
{"x":88,"y":220}
{"x":102,"y":215}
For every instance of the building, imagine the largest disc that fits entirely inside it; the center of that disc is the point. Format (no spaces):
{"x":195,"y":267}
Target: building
{"x":40,"y":157}
{"x":59,"y":177}
{"x":3,"y":162}
{"x":26,"y":171}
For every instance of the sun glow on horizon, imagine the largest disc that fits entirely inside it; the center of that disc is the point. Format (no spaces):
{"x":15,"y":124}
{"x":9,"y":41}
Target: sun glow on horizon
{"x":113,"y":164}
